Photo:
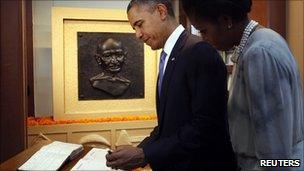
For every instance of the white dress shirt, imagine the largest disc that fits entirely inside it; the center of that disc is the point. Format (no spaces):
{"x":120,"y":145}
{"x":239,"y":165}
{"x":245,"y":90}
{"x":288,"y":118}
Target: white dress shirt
{"x":171,"y":41}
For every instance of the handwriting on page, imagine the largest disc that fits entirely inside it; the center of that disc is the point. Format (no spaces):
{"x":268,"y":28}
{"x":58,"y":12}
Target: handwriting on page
{"x":51,"y":157}
{"x":94,"y":160}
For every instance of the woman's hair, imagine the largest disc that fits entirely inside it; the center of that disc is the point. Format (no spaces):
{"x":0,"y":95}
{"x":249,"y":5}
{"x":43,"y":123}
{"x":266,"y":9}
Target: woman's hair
{"x":152,"y":4}
{"x":213,"y":9}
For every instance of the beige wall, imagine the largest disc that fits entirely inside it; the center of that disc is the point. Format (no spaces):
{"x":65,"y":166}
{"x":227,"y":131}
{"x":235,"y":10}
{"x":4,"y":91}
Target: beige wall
{"x":42,"y":47}
{"x":295,"y":31}
{"x":42,"y":41}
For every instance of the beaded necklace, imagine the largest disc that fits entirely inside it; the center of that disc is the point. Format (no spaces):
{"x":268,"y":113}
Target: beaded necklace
{"x":239,"y":49}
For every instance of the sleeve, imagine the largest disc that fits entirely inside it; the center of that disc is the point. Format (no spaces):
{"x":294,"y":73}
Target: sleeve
{"x":149,"y":139}
{"x":269,"y":95}
{"x":206,"y":81}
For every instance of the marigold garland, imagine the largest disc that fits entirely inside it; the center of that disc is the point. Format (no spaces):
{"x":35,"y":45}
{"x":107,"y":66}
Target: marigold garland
{"x":32,"y":121}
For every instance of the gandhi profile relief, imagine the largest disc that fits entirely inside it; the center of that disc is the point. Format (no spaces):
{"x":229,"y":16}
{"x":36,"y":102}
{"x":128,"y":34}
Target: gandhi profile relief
{"x":111,"y":57}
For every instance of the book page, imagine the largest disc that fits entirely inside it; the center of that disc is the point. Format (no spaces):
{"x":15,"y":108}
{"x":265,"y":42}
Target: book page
{"x":51,"y":156}
{"x":94,"y":160}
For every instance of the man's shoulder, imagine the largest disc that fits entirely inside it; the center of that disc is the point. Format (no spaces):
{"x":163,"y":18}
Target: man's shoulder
{"x":189,"y":41}
{"x":192,"y":39}
{"x":194,"y":48}
{"x":200,"y":52}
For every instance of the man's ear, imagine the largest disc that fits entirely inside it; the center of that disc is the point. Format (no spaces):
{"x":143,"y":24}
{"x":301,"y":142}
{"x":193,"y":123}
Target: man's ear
{"x":163,"y":11}
{"x":225,"y":21}
{"x":98,"y":58}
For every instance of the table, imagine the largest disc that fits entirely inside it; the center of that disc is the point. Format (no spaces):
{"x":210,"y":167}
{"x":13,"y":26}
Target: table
{"x":15,"y":162}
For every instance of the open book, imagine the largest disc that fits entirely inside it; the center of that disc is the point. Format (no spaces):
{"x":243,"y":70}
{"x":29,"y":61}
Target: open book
{"x":95,"y":159}
{"x":52,"y":156}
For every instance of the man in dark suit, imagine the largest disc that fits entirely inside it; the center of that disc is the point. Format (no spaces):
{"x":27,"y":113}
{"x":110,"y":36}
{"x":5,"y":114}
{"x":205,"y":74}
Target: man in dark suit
{"x":192,"y":131}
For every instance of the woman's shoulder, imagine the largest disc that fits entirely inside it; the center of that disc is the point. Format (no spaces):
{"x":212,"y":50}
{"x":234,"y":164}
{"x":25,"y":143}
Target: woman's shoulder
{"x":266,"y":37}
{"x":267,"y":45}
{"x":266,"y":40}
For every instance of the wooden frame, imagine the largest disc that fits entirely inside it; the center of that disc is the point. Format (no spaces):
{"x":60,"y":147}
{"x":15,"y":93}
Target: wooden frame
{"x":66,"y":22}
{"x":13,"y":78}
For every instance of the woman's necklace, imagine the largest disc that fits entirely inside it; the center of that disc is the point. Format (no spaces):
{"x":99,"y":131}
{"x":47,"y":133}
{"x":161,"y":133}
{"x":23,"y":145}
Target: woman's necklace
{"x":239,"y":49}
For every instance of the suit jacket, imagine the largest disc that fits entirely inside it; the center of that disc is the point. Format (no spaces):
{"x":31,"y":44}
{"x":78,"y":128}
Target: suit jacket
{"x":192,"y":131}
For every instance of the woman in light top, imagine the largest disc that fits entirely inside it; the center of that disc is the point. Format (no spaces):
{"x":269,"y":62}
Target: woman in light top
{"x":265,"y":107}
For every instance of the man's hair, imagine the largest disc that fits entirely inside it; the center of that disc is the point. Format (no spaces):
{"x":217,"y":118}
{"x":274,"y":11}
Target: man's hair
{"x":152,"y":4}
{"x":213,"y":9}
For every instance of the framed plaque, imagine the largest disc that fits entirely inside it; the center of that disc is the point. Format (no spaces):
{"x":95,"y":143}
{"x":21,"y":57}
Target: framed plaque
{"x":99,"y":67}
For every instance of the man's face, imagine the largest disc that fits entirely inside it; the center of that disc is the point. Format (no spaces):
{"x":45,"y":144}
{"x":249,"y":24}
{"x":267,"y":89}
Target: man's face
{"x":113,"y":60}
{"x":147,"y":24}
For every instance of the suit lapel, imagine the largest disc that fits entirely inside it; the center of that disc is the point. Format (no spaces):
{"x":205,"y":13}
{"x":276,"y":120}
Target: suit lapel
{"x":169,"y":71}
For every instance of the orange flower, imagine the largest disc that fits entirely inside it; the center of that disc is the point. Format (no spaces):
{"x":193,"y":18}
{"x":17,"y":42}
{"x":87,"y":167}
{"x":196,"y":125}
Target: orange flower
{"x":32,"y":121}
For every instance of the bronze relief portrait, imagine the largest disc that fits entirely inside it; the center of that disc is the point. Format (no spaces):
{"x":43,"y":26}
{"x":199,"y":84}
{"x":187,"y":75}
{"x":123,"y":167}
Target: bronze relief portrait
{"x":110,"y":66}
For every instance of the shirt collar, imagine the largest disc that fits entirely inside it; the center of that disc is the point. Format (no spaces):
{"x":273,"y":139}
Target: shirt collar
{"x":173,"y":39}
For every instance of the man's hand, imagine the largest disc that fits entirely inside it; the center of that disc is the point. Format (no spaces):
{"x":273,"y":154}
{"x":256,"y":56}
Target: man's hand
{"x":126,"y":158}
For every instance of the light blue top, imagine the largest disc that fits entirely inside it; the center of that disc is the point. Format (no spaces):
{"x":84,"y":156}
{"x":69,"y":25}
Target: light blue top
{"x":265,"y":107}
